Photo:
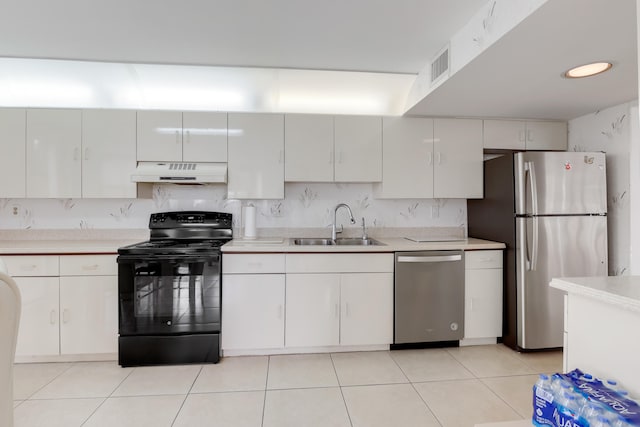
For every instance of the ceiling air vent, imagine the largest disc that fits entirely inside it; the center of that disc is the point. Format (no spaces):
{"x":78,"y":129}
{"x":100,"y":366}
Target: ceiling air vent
{"x":440,"y":65}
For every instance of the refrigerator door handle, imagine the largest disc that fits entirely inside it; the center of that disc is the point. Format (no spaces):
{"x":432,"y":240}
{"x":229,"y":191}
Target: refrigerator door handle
{"x":534,"y":246}
{"x":530,"y":171}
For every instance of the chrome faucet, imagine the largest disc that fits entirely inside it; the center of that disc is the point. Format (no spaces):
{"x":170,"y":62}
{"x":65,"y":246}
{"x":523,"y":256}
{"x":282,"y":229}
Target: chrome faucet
{"x":334,"y":231}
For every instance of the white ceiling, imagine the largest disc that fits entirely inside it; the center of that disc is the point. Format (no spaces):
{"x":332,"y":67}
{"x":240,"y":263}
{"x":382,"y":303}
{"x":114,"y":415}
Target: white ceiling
{"x":396,"y":36}
{"x":518,"y":76}
{"x":521,"y":74}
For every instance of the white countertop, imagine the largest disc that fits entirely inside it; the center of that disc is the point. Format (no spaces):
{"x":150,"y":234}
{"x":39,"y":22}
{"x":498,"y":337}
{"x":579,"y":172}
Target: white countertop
{"x":623,"y":291}
{"x":390,"y":244}
{"x":54,"y":247}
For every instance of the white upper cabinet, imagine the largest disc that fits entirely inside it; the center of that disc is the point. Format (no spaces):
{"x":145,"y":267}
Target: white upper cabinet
{"x":204,"y":137}
{"x":525,"y":135}
{"x":431,"y":158}
{"x":12,"y":146}
{"x":547,"y":136}
{"x":108,"y":153}
{"x":358,"y":149}
{"x":159,"y":136}
{"x":53,"y":153}
{"x":407,"y":167}
{"x":173,"y":136}
{"x":308,"y":141}
{"x":256,"y":156}
{"x":458,"y":159}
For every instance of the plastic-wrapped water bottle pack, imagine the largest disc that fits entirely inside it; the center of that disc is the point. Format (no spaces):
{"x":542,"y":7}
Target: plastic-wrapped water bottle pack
{"x":578,"y":399}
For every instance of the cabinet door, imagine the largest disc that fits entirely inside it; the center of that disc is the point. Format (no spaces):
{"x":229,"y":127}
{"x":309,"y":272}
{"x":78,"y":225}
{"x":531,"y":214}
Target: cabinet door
{"x":483,"y":303}
{"x":39,"y":332}
{"x":256,"y":156}
{"x":546,"y":136}
{"x":458,"y":170}
{"x":13,"y":159}
{"x":252,"y":311}
{"x":367,"y":308}
{"x":504,"y":134}
{"x":53,"y":153}
{"x":407,"y":147}
{"x":88,"y":314}
{"x":204,"y":137}
{"x":358,"y":149}
{"x":108,"y":153}
{"x":312,"y":310}
{"x":159,"y":136}
{"x":308,"y":142}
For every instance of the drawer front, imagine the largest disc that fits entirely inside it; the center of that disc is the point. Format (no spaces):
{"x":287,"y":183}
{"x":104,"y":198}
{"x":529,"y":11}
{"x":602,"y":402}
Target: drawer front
{"x":88,"y":265}
{"x":483,"y":259}
{"x":340,"y":263}
{"x":252,"y":263}
{"x":31,"y":265}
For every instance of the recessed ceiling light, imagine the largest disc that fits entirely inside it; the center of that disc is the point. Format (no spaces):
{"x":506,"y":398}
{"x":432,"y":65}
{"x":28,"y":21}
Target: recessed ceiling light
{"x":588,"y":70}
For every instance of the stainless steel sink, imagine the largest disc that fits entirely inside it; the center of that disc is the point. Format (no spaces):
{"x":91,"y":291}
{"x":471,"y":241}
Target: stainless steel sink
{"x":355,"y":241}
{"x":306,"y":241}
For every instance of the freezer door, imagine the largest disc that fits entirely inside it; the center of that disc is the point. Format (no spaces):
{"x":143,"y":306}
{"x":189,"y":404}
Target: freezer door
{"x":560,"y":183}
{"x":548,"y":247}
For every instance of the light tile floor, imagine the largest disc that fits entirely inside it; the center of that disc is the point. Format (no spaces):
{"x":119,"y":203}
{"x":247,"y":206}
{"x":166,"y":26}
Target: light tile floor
{"x":453,"y":387}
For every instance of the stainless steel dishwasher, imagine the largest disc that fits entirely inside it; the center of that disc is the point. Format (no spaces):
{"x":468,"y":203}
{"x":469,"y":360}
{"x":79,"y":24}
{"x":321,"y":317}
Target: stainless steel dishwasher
{"x":429,"y":296}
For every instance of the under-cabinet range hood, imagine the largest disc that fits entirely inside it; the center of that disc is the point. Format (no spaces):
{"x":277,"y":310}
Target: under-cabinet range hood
{"x":180,"y":172}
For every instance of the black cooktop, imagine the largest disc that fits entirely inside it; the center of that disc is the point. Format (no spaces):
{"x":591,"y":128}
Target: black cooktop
{"x":184,"y":233}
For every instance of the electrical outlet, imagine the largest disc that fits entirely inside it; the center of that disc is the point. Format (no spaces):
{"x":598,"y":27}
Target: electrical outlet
{"x":15,"y":209}
{"x":435,"y":211}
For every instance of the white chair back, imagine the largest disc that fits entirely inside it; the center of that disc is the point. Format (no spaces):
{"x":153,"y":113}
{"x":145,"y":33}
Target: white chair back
{"x":10,"y":303}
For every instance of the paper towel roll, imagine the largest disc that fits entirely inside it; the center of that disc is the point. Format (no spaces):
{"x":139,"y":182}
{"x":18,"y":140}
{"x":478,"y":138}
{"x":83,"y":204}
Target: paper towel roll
{"x":249,"y":214}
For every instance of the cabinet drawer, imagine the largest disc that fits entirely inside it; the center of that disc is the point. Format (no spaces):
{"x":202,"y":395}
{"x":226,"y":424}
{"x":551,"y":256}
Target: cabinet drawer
{"x":340,"y":263}
{"x":252,"y":263}
{"x":88,"y":265}
{"x":483,"y":259}
{"x":31,"y":265}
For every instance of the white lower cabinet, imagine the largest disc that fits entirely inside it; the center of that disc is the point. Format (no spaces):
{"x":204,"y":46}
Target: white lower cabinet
{"x":313,"y":310}
{"x":252,"y":311}
{"x":288,"y":302}
{"x":39,"y":332}
{"x":367,"y":308}
{"x":253,"y":289}
{"x":339,"y":299}
{"x":483,"y":295}
{"x":69,"y":304}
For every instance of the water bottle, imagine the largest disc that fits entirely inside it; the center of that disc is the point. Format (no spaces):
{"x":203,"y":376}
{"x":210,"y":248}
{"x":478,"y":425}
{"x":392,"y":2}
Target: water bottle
{"x":612,"y":384}
{"x":591,"y":410}
{"x":600,"y":421}
{"x":544,"y":382}
{"x":569,"y":401}
{"x":619,"y":421}
{"x":559,"y":386}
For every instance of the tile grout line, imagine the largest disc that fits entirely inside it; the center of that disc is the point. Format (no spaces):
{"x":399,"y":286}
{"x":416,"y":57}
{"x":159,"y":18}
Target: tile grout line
{"x":344,"y":401}
{"x":498,"y":396}
{"x":187,"y":395}
{"x":416,"y":390}
{"x":52,"y":380}
{"x":266,"y":383}
{"x":106,"y":398}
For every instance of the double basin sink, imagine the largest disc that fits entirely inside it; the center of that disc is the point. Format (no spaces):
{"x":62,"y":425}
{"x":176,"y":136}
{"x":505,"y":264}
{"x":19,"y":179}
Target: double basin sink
{"x":346,"y":241}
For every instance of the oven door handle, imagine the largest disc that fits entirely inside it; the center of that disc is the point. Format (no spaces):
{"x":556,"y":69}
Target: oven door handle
{"x":168,"y":257}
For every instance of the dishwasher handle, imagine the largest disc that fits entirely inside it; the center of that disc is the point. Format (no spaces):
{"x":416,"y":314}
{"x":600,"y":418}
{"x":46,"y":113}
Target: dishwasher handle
{"x":437,"y":258}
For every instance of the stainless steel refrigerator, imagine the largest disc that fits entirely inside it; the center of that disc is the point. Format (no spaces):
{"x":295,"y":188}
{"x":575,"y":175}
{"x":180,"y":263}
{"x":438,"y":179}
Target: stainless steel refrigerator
{"x":550,"y":209}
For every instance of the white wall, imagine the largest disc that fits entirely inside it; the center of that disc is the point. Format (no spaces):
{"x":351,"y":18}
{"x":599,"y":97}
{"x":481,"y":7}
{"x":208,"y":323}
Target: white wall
{"x":612,"y":131}
{"x":304,"y":206}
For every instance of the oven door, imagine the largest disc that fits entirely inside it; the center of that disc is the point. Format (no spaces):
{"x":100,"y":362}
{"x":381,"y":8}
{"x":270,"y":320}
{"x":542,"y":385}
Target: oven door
{"x":169,"y":294}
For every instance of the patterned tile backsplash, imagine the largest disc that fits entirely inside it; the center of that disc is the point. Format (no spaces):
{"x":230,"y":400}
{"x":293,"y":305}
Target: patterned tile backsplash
{"x":304,"y":206}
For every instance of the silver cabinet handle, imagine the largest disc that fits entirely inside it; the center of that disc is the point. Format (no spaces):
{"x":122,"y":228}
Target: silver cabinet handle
{"x":86,"y":153}
{"x":52,"y":317}
{"x":65,"y":315}
{"x":442,"y":258}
